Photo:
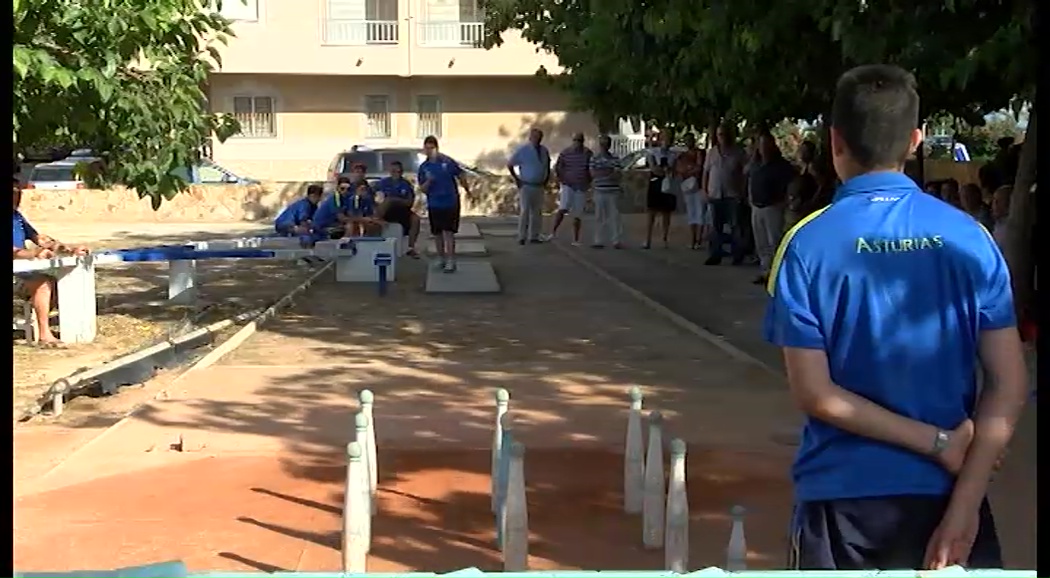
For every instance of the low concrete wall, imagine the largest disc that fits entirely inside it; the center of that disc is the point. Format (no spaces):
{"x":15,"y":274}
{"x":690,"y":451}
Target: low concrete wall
{"x":491,"y":195}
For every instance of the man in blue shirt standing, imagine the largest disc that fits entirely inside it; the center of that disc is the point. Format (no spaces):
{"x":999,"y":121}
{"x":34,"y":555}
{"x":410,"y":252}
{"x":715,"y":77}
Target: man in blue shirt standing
{"x":398,"y":198}
{"x":437,"y":178}
{"x":296,"y":219}
{"x":883,"y":302}
{"x":530,"y":167}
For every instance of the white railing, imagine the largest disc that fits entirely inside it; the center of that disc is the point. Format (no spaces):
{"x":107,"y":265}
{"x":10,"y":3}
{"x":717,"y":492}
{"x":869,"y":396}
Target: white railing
{"x":360,"y":32}
{"x":623,"y":145}
{"x":451,"y":34}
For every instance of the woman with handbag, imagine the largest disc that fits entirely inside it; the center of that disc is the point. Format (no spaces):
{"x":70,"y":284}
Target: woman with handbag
{"x":688,"y":167}
{"x":661,"y":196}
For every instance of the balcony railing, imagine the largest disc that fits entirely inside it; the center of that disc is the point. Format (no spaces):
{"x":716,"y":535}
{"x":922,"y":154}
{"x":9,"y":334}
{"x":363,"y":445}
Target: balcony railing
{"x":623,"y":145}
{"x":360,"y":32}
{"x":451,"y":34}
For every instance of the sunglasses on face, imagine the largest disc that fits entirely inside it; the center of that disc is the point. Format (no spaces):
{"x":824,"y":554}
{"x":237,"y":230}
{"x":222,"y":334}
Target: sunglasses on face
{"x":344,"y":187}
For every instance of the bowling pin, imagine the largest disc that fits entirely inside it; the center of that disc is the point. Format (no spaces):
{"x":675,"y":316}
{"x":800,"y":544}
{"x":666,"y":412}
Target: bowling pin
{"x":676,"y":529}
{"x":634,"y":461}
{"x":653,"y":498}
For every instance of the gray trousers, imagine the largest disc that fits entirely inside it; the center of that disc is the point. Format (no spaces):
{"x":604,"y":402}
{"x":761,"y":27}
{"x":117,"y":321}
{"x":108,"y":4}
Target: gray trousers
{"x":767,"y":223}
{"x":608,"y":227}
{"x":530,"y":212}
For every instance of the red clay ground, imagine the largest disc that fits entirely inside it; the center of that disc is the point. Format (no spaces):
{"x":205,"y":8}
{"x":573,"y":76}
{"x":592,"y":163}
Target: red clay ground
{"x":253,"y":513}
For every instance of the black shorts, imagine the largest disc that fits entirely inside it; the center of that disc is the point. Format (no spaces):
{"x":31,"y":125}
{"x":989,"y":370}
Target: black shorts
{"x":444,"y":220}
{"x":401,"y":215}
{"x":886,"y":533}
{"x":657,"y":201}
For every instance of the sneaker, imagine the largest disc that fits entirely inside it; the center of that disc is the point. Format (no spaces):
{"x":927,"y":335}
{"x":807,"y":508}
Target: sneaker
{"x":521,"y":241}
{"x":412,"y":253}
{"x":645,"y":245}
{"x":440,"y":265}
{"x":597,"y":246}
{"x":576,"y":243}
{"x":546,"y":238}
{"x":450,"y":267}
{"x":535,"y":241}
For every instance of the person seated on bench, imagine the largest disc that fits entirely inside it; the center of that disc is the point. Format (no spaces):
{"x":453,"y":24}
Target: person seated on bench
{"x":396,"y":207}
{"x":296,"y":219}
{"x":39,"y":288}
{"x":361,"y":213}
{"x":330,"y":218}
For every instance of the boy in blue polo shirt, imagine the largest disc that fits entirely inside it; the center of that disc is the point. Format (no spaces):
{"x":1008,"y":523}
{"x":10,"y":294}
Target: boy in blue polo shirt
{"x":883,"y":302}
{"x":398,"y":198}
{"x":438,"y":178}
{"x":296,"y":219}
{"x":361,"y":211}
{"x":330,"y":218}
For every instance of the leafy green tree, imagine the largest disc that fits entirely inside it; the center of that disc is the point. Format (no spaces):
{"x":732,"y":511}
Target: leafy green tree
{"x":123,"y":77}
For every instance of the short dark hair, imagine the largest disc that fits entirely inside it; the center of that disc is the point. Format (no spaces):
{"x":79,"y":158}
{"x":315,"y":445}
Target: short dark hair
{"x":430,"y":140}
{"x":876,"y":109}
{"x":314,"y":190}
{"x":397,"y":164}
{"x":343,"y":181}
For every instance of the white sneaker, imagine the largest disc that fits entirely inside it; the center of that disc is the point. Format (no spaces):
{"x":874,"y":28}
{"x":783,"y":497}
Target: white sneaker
{"x":450,"y":267}
{"x":439,"y":265}
{"x":546,"y":238}
{"x":576,"y":243}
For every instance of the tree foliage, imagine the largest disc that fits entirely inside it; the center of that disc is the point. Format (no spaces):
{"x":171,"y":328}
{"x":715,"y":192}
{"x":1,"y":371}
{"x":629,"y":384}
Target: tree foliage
{"x":125,"y":78}
{"x":690,"y":60}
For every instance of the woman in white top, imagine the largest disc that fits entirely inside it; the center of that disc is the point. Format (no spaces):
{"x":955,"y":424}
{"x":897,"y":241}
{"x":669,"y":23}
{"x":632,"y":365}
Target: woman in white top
{"x":661,"y":197}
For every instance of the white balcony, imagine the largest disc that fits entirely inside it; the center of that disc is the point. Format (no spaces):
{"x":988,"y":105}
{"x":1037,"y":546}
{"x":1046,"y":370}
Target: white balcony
{"x":623,"y":145}
{"x":342,"y":32}
{"x":451,"y":34}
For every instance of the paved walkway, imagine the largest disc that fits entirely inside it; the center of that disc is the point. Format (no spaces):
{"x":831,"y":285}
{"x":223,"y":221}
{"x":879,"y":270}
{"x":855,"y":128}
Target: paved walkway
{"x":264,"y":491}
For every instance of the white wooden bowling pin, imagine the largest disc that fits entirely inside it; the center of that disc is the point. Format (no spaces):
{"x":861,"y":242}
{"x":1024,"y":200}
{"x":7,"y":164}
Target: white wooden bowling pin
{"x":736,"y":552}
{"x":357,"y":518}
{"x":633,"y":458}
{"x":516,"y":514}
{"x":502,"y":403}
{"x":367,"y":400}
{"x":361,"y":437}
{"x":676,"y":529}
{"x":653,"y":498}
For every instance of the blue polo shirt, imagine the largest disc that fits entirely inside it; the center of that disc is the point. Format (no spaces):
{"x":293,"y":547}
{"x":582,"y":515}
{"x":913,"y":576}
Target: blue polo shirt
{"x":895,"y":286}
{"x":361,"y":206}
{"x":22,"y":231}
{"x":294,"y":215}
{"x":329,"y":209}
{"x":443,"y":192}
{"x":396,"y":189}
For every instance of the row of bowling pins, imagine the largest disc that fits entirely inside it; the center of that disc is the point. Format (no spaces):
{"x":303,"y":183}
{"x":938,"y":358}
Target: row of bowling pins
{"x":359,"y":500}
{"x":665,"y":509}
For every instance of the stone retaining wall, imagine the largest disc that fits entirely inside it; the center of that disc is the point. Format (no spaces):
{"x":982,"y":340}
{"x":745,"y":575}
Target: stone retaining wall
{"x":492,"y":195}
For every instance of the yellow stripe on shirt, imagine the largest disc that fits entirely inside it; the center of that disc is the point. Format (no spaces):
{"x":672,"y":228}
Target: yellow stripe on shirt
{"x":778,"y":257}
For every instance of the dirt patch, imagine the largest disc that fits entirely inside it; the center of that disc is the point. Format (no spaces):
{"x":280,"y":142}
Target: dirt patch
{"x":262,"y":513}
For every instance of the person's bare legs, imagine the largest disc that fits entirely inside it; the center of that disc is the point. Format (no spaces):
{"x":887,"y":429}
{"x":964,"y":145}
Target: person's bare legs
{"x":449,"y":241}
{"x":650,"y":222}
{"x":413,"y":233}
{"x":577,"y":225}
{"x":42,"y":294}
{"x":665,"y":222}
{"x":559,"y":216}
{"x":694,"y":233}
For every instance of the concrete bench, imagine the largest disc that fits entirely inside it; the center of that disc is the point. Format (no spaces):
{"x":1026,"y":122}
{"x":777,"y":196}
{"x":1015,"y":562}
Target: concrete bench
{"x":76,"y":292}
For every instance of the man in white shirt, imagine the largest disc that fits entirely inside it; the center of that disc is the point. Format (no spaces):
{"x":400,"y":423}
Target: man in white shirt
{"x":723,"y":185}
{"x":530,"y":166}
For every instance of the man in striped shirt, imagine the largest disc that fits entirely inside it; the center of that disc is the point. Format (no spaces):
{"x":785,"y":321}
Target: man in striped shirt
{"x":606,"y":171}
{"x":574,"y":178}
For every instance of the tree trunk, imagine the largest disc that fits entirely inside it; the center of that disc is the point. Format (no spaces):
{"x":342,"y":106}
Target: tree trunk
{"x":1020,"y":223}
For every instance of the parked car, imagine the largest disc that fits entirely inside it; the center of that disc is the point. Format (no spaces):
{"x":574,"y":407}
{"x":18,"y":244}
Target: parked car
{"x":377,"y":163}
{"x":208,"y":172}
{"x":64,"y":174}
{"x":60,"y":175}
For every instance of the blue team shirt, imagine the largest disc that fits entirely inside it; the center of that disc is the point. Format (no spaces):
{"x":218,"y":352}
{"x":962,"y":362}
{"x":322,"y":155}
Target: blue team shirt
{"x":396,"y":188}
{"x":443,"y":192}
{"x":294,"y":215}
{"x":329,"y":209}
{"x":895,"y":286}
{"x":361,"y":206}
{"x":22,"y":230}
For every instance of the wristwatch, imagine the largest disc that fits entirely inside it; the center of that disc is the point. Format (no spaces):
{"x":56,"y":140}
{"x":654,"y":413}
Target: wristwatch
{"x":940,"y":442}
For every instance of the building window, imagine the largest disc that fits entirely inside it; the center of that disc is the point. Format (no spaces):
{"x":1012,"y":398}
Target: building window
{"x":256,"y":116}
{"x":238,"y":10}
{"x":428,"y":116}
{"x":377,"y":116}
{"x":450,"y":23}
{"x":358,"y":22}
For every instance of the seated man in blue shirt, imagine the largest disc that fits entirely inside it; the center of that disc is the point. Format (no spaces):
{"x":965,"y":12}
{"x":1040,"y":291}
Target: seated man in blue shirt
{"x":398,"y":197}
{"x":361,"y":213}
{"x":330,"y":218}
{"x":39,"y":288}
{"x":296,"y":219}
{"x":883,"y":302}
